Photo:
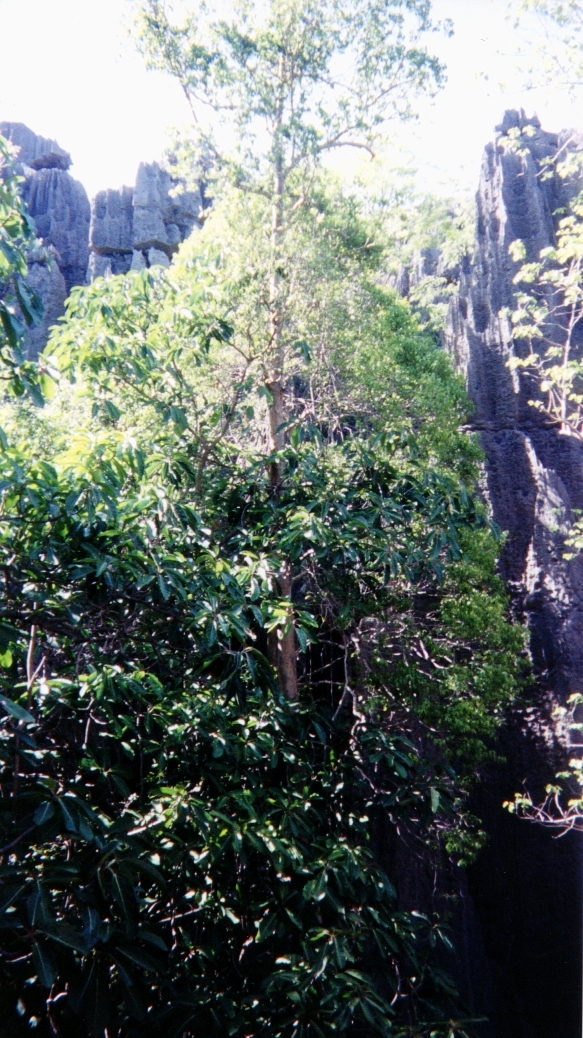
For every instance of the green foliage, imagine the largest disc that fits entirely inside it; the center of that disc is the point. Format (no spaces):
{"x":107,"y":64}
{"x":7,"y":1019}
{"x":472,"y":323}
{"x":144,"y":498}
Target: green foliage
{"x":19,"y":305}
{"x":425,"y":235}
{"x":183,"y":848}
{"x":250,"y":458}
{"x":353,"y":350}
{"x":289,"y":81}
{"x":144,"y":889}
{"x":312,"y":76}
{"x":401,"y":376}
{"x":152,"y":761}
{"x":547,"y":317}
{"x":555,"y":53}
{"x":562,"y":808}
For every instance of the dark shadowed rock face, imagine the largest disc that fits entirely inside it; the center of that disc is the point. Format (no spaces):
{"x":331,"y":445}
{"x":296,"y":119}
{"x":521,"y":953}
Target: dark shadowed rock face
{"x":535,"y":475}
{"x":526,"y":888}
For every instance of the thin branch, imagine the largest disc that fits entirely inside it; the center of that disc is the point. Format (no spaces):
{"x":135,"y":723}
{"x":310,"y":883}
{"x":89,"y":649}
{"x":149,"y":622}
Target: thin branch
{"x":9,"y":846}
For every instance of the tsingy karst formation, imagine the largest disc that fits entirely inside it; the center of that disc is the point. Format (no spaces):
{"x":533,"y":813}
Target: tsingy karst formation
{"x":535,"y":475}
{"x":526,"y":886}
{"x":61,"y":212}
{"x":139,"y":227}
{"x":129,"y":228}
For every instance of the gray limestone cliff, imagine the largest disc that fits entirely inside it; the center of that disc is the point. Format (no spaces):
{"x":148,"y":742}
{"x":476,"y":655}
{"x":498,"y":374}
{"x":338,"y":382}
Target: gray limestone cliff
{"x":57,"y":203}
{"x":526,"y":887}
{"x":46,"y":279}
{"x":61,"y":212}
{"x":139,"y":227}
{"x":126,"y":229}
{"x":34,"y":151}
{"x":60,"y":209}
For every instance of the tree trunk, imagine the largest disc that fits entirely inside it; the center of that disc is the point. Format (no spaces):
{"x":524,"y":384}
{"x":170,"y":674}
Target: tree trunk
{"x":277,"y":417}
{"x":281,"y":644}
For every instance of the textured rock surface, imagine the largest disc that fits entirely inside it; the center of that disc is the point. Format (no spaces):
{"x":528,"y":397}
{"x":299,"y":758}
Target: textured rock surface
{"x":112,"y":221}
{"x":61,"y":212}
{"x":126,"y":229}
{"x":143,"y":226}
{"x":57,"y":202}
{"x":526,"y":888}
{"x":44,"y":276}
{"x":535,"y":475}
{"x":34,"y":151}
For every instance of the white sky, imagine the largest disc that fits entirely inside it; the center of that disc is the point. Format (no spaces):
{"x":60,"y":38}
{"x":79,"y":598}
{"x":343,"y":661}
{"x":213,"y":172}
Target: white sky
{"x":72,"y":74}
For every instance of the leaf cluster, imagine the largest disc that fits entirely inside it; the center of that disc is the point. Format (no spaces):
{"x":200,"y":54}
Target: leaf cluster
{"x":181,"y":847}
{"x":20,"y":307}
{"x":312,"y":76}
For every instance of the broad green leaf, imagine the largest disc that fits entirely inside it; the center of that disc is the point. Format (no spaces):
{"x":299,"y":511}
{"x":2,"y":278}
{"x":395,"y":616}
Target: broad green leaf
{"x":44,"y":965}
{"x":16,"y":711}
{"x":44,"y":812}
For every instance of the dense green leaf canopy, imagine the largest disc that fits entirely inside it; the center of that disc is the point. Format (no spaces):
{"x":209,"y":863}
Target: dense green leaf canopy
{"x":178,"y":838}
{"x":251,"y":632}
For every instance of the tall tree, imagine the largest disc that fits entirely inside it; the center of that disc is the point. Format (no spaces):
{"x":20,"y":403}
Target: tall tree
{"x":181,"y":848}
{"x":287,"y":83}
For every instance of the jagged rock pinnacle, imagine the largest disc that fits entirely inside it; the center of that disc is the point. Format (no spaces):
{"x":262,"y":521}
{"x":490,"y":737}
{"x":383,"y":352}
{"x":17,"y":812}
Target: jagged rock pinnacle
{"x":126,"y":229}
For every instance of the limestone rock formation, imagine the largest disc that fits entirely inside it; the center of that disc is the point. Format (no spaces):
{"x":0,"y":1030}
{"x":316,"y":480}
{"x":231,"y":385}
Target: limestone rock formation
{"x":60,"y":208}
{"x":112,"y":221}
{"x":141,"y":227}
{"x":535,"y":475}
{"x":34,"y":151}
{"x":57,"y":203}
{"x":126,"y":229}
{"x":46,"y":279}
{"x":526,"y":887}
